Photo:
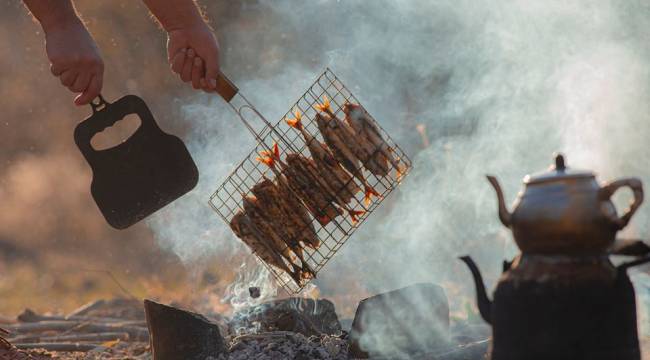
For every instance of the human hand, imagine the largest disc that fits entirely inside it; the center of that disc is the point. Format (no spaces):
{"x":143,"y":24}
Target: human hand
{"x":193,"y":54}
{"x":75,"y":60}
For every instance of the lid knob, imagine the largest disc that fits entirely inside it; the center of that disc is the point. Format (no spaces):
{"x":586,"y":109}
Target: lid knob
{"x":559,"y":163}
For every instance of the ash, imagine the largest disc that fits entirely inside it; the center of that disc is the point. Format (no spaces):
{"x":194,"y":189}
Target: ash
{"x":278,"y":345}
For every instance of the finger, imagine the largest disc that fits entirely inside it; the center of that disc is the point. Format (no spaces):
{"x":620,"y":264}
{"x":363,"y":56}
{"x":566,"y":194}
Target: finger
{"x":91,"y":92}
{"x":186,"y":73}
{"x":81,"y":83}
{"x":178,"y":61}
{"x":68,"y":77}
{"x":212,"y":67}
{"x":57,"y":70}
{"x":174,"y":47}
{"x":197,"y":73}
{"x":205,"y":86}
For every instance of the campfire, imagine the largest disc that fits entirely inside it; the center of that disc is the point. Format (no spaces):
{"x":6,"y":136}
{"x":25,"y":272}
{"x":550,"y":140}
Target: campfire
{"x":292,"y":328}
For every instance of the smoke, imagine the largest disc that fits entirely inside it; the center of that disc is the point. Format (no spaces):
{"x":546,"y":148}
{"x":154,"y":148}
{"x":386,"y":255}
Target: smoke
{"x":499,"y":86}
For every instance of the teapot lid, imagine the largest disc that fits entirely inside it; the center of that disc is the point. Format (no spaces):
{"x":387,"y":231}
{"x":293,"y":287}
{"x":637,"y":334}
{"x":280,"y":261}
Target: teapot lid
{"x":557,"y":172}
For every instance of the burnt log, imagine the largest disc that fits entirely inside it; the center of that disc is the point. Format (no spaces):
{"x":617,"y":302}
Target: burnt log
{"x":406,"y":321}
{"x":305,"y":316}
{"x":62,"y":347}
{"x":179,"y":334}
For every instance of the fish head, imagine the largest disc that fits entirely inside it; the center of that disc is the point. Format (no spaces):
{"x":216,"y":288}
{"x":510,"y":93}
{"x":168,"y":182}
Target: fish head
{"x":322,"y":120}
{"x":235,"y":223}
{"x":349,"y":108}
{"x":292,"y":158}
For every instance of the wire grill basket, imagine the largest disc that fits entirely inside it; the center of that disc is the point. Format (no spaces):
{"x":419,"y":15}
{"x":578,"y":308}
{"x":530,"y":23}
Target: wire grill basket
{"x":227,"y":199}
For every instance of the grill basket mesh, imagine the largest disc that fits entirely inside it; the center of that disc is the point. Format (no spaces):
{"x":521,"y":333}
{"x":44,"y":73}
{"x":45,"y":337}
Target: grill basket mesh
{"x":227,"y":199}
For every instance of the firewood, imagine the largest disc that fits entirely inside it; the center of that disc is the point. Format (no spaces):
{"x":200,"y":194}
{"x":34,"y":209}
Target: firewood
{"x":99,"y":337}
{"x":58,"y":347}
{"x":135,"y":332}
{"x":42,"y":326}
{"x":30,"y":316}
{"x":83,"y":310}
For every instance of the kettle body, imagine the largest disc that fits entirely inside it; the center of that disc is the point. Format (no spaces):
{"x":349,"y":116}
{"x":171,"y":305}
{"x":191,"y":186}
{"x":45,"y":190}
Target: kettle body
{"x":586,"y":309}
{"x":566,"y":212}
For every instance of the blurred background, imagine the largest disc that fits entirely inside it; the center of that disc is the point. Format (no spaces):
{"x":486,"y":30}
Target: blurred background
{"x":465,"y":87}
{"x":56,"y":250}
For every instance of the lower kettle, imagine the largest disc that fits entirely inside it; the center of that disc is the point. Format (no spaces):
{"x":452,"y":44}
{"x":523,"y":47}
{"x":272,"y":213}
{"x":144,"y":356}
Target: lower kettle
{"x":554,"y":307}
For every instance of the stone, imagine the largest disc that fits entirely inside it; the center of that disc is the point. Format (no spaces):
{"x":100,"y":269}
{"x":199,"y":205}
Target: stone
{"x":179,"y":334}
{"x":409,"y":320}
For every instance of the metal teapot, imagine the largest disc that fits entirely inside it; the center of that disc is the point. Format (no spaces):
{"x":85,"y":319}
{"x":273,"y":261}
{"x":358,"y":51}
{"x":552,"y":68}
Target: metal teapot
{"x":563,"y":211}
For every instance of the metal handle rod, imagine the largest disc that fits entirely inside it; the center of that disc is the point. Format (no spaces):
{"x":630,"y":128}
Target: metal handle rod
{"x":238,"y":109}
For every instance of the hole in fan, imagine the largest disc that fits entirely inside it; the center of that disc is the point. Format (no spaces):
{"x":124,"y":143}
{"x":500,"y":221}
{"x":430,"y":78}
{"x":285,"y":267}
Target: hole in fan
{"x":116,"y":134}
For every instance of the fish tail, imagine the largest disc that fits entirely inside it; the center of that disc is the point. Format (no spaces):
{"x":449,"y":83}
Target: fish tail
{"x":354,"y":215}
{"x":296,"y":276}
{"x":399,"y":172}
{"x":324,"y":219}
{"x":307,"y":272}
{"x":324,"y":106}
{"x":267,"y":160}
{"x":276,"y":151}
{"x":369,"y":193}
{"x":296,"y":122}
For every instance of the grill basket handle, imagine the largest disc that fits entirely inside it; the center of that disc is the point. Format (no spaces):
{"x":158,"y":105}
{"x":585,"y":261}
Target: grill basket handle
{"x":225,"y":87}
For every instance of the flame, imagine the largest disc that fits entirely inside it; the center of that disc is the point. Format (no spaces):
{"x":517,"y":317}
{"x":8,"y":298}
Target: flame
{"x":422,"y":130}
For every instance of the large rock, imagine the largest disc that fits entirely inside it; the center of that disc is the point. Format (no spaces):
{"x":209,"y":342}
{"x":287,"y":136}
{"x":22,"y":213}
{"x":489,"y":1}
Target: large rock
{"x":305,"y":316}
{"x":406,"y":321}
{"x":178,"y":334}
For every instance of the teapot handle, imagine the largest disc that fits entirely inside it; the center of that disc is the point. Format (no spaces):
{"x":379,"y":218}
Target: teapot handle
{"x":608,"y":190}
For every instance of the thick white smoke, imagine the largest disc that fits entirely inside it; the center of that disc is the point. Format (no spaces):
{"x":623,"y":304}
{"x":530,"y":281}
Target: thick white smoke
{"x":499,"y":86}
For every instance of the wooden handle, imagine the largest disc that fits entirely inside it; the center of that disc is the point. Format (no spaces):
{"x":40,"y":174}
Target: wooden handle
{"x":225,"y":87}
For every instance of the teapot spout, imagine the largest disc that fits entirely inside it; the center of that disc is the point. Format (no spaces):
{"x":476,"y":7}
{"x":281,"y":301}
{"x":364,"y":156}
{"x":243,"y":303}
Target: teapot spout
{"x":504,"y":214}
{"x":484,"y":303}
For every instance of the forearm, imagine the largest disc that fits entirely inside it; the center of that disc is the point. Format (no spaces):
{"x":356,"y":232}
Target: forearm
{"x":174,"y":14}
{"x":52,"y":13}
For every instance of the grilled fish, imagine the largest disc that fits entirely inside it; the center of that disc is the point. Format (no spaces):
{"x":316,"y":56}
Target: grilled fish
{"x":303,"y":184}
{"x":300,"y":214}
{"x":338,"y":183}
{"x":302,"y":172}
{"x":261,"y":223}
{"x":244,"y":229}
{"x":343,"y":154}
{"x":368,"y":153}
{"x":282,"y":221}
{"x":357,"y":117}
